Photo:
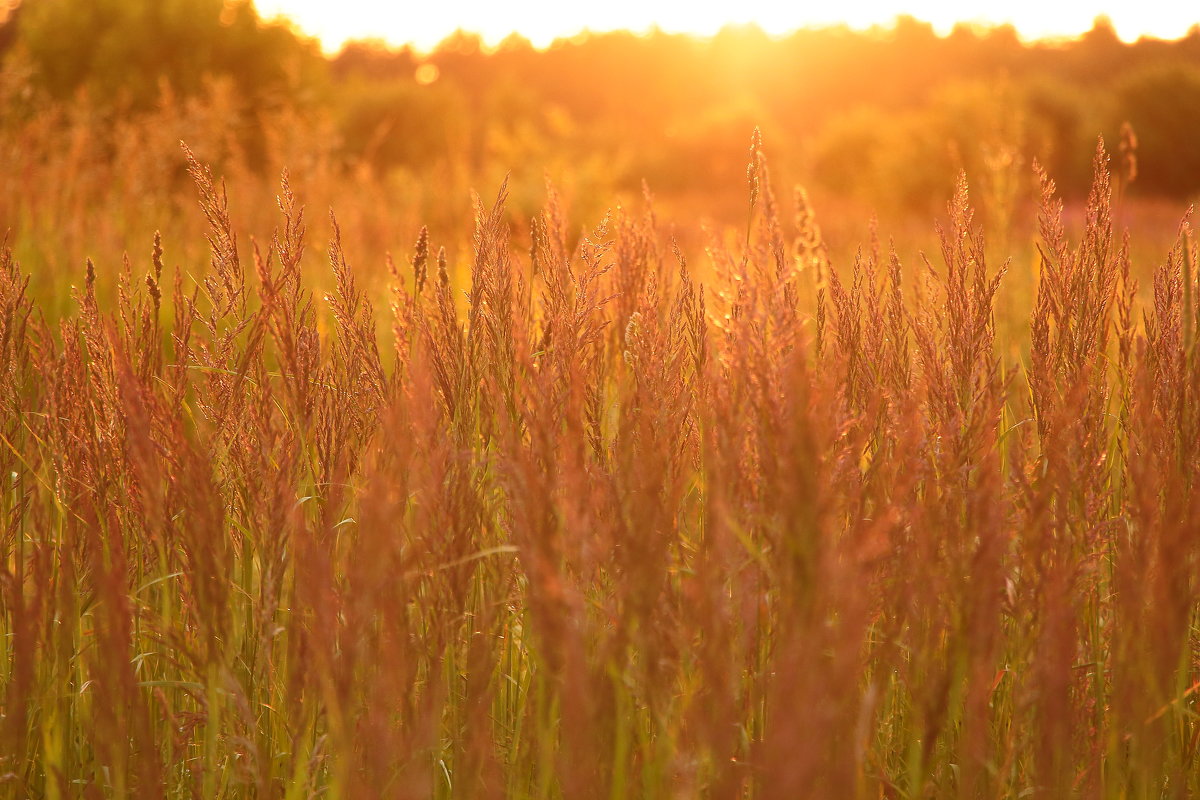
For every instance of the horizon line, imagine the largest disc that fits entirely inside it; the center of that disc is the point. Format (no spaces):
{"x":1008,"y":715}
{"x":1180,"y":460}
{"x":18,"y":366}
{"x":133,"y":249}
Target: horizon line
{"x":492,"y":42}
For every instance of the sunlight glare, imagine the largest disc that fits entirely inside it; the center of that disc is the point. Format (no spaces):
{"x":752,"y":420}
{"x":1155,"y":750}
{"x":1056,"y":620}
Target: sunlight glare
{"x":423,"y":25}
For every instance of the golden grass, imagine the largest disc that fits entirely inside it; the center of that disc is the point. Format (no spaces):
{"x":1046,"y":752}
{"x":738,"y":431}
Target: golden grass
{"x":598,"y":530}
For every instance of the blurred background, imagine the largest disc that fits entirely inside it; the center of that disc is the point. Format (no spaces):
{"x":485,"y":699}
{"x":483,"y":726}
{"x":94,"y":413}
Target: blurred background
{"x":96,"y":96}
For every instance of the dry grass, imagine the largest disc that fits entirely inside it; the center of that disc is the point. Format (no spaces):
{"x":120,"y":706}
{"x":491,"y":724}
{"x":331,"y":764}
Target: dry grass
{"x":598,"y":530}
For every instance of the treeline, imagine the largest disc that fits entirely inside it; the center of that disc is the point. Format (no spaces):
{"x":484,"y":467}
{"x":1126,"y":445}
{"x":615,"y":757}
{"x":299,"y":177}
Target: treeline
{"x":890,"y":114}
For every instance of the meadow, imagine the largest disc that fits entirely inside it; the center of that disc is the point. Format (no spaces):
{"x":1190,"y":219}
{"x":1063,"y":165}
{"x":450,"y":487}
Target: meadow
{"x":334,"y":463}
{"x":586,"y":525}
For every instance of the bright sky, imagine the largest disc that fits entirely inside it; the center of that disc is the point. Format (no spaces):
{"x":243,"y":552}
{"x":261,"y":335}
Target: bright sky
{"x":424,"y":23}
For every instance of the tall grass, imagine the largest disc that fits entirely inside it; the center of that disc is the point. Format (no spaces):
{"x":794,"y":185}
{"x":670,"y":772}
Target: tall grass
{"x":593,"y":529}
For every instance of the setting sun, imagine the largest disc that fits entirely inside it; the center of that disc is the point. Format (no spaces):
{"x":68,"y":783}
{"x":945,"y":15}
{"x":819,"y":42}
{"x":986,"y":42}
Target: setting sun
{"x":423,"y":25}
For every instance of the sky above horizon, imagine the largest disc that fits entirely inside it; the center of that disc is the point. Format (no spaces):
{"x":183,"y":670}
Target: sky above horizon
{"x":424,"y":24}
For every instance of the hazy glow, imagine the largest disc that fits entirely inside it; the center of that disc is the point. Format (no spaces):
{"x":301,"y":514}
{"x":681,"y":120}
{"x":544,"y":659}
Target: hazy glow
{"x":423,"y":24}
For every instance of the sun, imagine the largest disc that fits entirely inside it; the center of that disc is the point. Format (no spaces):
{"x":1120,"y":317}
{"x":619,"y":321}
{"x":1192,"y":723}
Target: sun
{"x":423,"y":25}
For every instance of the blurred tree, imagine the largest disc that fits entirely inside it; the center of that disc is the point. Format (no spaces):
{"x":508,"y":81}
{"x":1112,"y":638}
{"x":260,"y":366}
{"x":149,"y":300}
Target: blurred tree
{"x":8,"y":25}
{"x":1163,"y":105}
{"x":122,"y":50}
{"x":373,"y":59}
{"x":1064,"y":120}
{"x":398,"y":123}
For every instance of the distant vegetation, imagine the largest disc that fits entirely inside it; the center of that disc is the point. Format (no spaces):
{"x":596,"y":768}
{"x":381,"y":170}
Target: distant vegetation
{"x":889,"y":116}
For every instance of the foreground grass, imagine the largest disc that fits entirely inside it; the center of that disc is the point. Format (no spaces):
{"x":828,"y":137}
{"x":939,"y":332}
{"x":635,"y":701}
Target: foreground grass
{"x":599,"y":531}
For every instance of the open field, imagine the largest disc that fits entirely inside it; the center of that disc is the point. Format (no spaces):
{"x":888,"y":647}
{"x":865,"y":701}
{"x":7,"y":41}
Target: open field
{"x":572,"y":516}
{"x":488,"y":423}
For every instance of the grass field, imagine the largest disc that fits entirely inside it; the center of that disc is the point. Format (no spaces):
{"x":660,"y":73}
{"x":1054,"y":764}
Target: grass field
{"x":646,"y":512}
